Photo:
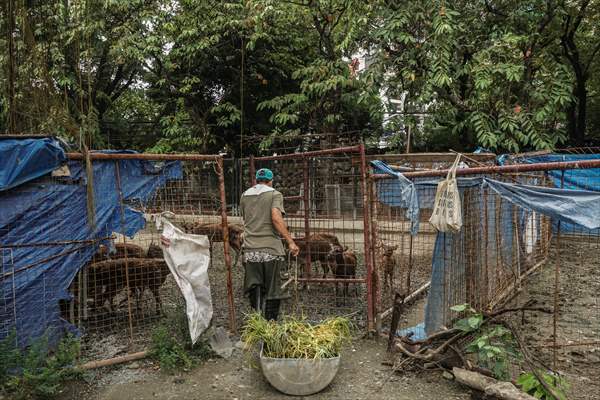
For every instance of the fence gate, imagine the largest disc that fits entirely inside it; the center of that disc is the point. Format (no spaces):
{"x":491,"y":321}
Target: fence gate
{"x":327,"y":212}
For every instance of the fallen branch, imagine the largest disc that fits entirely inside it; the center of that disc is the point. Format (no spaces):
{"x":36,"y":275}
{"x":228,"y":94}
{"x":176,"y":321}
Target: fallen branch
{"x":113,"y":361}
{"x":528,"y":360}
{"x":489,"y":386}
{"x":398,"y":306}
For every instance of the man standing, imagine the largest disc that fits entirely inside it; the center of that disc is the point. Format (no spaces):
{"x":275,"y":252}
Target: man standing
{"x":262,"y":210}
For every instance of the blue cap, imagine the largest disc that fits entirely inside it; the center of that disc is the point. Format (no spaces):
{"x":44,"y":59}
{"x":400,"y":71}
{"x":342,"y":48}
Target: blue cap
{"x":264,"y":174}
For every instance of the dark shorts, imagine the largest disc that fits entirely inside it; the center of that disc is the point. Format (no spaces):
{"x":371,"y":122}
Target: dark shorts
{"x":265,"y":275}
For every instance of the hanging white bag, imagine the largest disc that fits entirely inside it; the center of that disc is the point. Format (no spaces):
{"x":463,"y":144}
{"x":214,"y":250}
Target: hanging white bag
{"x":447,"y":213}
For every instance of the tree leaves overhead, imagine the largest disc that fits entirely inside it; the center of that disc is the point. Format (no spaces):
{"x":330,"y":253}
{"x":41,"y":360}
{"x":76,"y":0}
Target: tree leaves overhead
{"x":249,"y":75}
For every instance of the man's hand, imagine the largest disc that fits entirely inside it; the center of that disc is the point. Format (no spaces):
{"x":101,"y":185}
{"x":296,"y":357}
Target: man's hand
{"x":294,"y":249}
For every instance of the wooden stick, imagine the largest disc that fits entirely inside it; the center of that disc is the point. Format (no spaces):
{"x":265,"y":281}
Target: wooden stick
{"x":408,"y":299}
{"x":527,"y":359}
{"x":398,"y":306}
{"x":113,"y":361}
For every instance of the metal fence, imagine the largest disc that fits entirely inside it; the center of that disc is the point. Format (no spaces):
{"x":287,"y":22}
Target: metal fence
{"x":503,"y":256}
{"x":327,"y":212}
{"x":122,"y":287}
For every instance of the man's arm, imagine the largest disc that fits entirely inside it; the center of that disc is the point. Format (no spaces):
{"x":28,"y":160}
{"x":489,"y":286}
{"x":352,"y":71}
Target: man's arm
{"x":282,"y":229}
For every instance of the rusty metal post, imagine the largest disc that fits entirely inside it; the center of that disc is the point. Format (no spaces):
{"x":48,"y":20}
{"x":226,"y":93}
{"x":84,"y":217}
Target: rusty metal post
{"x":120,"y":192}
{"x":226,"y":253}
{"x":367,"y":237}
{"x":306,"y":201}
{"x":252,"y":170}
{"x":486,"y":245}
{"x":557,"y":286}
{"x":376,"y":282}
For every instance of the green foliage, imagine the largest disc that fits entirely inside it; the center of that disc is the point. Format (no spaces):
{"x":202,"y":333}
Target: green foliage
{"x":473,"y":319}
{"x":296,"y":338}
{"x":530,"y":384}
{"x":245,"y":76}
{"x":495,"y":348}
{"x":169,"y":353}
{"x":37,"y":372}
{"x":493,"y":344}
{"x":172,"y":347}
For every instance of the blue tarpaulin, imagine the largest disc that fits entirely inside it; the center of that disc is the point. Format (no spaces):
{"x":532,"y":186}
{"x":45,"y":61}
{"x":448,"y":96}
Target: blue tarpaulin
{"x":575,"y":207}
{"x":49,"y":211}
{"x":22,"y":160}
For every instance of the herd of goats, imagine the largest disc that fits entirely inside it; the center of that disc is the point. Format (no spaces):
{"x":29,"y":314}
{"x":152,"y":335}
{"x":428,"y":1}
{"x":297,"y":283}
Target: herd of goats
{"x":129,"y":266}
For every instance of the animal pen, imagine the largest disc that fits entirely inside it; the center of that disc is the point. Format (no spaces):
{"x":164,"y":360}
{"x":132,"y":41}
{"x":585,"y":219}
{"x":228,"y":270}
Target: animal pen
{"x":363,"y":232}
{"x":509,"y":252}
{"x":81,"y":252}
{"x":327,"y":210}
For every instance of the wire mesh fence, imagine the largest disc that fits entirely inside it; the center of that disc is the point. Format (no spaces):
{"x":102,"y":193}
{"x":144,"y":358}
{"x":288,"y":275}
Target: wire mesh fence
{"x":324,"y":194}
{"x":504,"y":255}
{"x":106,"y":277}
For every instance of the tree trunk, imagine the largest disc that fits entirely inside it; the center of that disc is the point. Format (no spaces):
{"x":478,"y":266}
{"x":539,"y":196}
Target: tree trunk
{"x":581,"y":96}
{"x":576,"y":113}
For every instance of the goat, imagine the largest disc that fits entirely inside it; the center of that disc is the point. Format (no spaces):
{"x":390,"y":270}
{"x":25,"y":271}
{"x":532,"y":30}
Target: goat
{"x":321,"y":245}
{"x":121,"y":250}
{"x":150,"y":274}
{"x":388,"y":265}
{"x":107,"y":274}
{"x":343,"y":263}
{"x":214,"y":231}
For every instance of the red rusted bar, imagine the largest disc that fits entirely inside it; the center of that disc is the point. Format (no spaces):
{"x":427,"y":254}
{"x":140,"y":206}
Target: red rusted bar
{"x":225,"y":228}
{"x":144,"y":156}
{"x":375,"y":284}
{"x":252,"y":170}
{"x":306,"y":197}
{"x":562,"y":165}
{"x":123,"y":236}
{"x":367,"y":236}
{"x":332,"y":280}
{"x":293,"y":198}
{"x":349,"y":149}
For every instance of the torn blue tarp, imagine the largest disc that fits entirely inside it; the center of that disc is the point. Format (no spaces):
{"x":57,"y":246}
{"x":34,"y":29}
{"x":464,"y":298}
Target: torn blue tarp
{"x":404,"y":194}
{"x":578,"y":207}
{"x":578,"y":179}
{"x":45,"y":212}
{"x":22,"y":160}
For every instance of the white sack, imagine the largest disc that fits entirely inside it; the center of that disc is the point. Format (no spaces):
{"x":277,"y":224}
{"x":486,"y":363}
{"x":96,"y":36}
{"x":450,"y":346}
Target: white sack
{"x":447,"y":212}
{"x":188,"y":257}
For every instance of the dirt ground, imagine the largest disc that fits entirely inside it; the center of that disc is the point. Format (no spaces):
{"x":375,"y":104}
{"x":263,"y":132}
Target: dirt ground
{"x":579,"y":314}
{"x":362,"y":376}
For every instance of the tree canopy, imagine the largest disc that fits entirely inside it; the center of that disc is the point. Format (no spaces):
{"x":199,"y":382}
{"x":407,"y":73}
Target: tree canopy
{"x":245,"y":76}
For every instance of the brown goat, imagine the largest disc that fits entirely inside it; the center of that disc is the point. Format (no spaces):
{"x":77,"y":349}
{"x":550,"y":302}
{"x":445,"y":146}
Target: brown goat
{"x":149,"y":275}
{"x":343,"y":263}
{"x":388,"y":265}
{"x":321,"y":245}
{"x":214,"y":231}
{"x":107,"y":275}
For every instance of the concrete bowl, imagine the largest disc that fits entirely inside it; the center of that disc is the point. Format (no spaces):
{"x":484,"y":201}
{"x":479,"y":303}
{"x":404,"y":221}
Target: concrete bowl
{"x":298,"y":376}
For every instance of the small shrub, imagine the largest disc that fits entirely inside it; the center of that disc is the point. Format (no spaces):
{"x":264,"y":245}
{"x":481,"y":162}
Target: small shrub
{"x":169,"y":353}
{"x":37,"y":372}
{"x":172,"y":346}
{"x":530,"y":384}
{"x":493,"y":344}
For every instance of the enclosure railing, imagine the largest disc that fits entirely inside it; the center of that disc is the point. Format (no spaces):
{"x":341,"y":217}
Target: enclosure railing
{"x":504,"y":254}
{"x":122,"y":288}
{"x":327,"y":205}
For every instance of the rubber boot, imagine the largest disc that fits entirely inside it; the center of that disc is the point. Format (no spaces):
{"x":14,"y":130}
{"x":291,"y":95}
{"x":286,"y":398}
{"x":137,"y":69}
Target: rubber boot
{"x":257,"y":301}
{"x":272,"y":310}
